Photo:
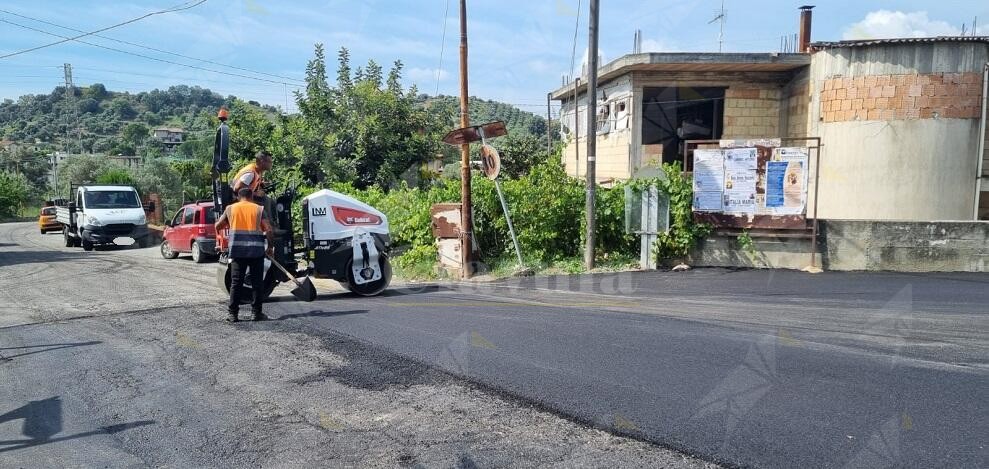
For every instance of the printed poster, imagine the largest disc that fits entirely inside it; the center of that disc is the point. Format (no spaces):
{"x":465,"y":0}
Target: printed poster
{"x":708,"y":201}
{"x":741,"y":159}
{"x":793,"y":162}
{"x":709,"y":170}
{"x":775,"y":175}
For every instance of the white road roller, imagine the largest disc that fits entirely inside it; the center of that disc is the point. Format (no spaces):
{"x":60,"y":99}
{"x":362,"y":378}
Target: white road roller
{"x":346,"y":240}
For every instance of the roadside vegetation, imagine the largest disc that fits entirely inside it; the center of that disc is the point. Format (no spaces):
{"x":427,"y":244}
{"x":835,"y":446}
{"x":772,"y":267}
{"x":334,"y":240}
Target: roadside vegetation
{"x":360,"y":133}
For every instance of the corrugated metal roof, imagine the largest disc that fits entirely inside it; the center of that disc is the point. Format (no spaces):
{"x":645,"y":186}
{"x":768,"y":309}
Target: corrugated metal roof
{"x":905,"y":40}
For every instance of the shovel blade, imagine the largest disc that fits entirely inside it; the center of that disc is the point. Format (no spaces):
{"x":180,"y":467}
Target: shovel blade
{"x":306,"y":291}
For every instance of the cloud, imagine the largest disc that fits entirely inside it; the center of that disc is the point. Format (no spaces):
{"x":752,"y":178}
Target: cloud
{"x":884,"y":24}
{"x":426,"y":75}
{"x":653,"y":45}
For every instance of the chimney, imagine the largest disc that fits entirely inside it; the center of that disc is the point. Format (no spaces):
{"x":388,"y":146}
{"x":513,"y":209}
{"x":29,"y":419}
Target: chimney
{"x":803,"y":45}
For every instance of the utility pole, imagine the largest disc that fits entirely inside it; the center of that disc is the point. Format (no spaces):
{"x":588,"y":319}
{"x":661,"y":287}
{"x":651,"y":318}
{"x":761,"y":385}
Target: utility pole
{"x":592,"y":101}
{"x":549,"y":120}
{"x":466,"y":222}
{"x":69,"y":94}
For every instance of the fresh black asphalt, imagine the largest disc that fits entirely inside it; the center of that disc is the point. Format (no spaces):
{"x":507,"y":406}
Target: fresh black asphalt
{"x":744,"y":368}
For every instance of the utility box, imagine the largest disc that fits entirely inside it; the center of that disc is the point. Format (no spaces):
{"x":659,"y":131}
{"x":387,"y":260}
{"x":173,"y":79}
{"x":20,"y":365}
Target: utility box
{"x":446,"y":226}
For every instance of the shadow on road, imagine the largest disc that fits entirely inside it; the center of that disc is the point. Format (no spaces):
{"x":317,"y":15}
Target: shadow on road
{"x":43,"y":420}
{"x":45,"y":348}
{"x":320,"y":314}
{"x":10,"y":258}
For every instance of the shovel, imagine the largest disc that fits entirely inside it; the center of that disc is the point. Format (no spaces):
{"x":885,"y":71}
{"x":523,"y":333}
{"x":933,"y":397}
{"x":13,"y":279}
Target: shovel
{"x":304,"y":290}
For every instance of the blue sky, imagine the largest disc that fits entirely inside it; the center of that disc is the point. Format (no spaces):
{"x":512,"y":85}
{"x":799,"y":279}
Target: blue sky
{"x":519,"y":49}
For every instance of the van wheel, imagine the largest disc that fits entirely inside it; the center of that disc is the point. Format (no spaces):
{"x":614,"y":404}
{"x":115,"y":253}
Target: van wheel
{"x":87,"y":245}
{"x":68,"y":239}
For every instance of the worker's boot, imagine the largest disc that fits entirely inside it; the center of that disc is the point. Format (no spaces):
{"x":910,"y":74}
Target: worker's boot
{"x":259,"y":316}
{"x":232,"y":317}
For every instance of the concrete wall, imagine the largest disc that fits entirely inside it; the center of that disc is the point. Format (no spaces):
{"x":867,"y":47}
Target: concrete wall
{"x":613,"y":157}
{"x":900,"y":130}
{"x":907,"y":170}
{"x":863,"y":245}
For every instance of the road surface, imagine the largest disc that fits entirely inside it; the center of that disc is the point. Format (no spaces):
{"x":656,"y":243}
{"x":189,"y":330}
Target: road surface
{"x":741,"y":368}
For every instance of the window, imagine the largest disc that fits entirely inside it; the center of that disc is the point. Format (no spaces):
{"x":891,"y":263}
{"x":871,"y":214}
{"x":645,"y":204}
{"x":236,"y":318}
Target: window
{"x":190,"y":216}
{"x":210,"y":215}
{"x":671,"y":115}
{"x":111,"y":199}
{"x":177,"y":219}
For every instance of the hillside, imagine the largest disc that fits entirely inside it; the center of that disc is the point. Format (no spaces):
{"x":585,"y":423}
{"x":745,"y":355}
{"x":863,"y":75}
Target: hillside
{"x":96,"y":120}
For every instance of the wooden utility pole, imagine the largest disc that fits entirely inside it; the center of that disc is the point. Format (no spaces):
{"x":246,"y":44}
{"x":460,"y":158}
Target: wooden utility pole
{"x":466,"y":223}
{"x":592,"y":98}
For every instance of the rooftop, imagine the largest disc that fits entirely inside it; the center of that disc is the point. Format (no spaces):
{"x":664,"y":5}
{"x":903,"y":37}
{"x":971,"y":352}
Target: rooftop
{"x":905,"y":40}
{"x":695,"y":62}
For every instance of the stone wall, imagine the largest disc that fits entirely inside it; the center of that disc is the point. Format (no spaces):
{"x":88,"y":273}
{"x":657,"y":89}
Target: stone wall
{"x":863,"y":245}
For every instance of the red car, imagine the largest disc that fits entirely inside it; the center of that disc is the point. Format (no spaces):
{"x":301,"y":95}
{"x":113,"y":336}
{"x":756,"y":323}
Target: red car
{"x":191,"y":230}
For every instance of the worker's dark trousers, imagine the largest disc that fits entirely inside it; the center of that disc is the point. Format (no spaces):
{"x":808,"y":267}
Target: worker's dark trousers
{"x":255,"y":268}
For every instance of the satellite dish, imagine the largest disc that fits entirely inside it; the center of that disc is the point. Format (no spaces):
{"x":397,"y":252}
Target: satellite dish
{"x":490,"y":162}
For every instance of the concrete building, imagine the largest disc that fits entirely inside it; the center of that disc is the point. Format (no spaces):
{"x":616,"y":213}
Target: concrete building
{"x":901,"y":120}
{"x":170,"y":137}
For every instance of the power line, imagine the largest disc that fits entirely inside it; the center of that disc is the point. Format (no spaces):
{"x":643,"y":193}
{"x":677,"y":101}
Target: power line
{"x":171,"y":62}
{"x":121,"y":41}
{"x":128,"y":72}
{"x":179,"y":7}
{"x":439,"y":68}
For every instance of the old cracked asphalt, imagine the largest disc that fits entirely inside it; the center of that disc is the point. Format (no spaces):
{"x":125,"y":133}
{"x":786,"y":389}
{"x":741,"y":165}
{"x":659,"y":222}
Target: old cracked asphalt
{"x":117,"y":358}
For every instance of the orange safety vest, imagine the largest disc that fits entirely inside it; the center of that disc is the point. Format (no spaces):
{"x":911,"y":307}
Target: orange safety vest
{"x":245,"y":237}
{"x":250,"y":168}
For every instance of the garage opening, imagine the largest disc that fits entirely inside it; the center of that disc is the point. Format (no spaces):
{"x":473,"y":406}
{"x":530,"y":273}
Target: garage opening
{"x":672,"y":115}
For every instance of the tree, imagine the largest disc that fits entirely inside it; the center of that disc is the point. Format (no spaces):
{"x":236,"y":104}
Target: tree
{"x":81,"y":169}
{"x":88,"y":106}
{"x":96,"y":91}
{"x":122,"y":108}
{"x":115,"y":176}
{"x":135,"y":133}
{"x":15,"y":190}
{"x":519,"y":153}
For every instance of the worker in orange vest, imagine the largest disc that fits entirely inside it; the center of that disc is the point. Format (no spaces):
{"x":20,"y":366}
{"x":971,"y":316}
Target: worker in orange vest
{"x":252,"y":176}
{"x":248,"y":230}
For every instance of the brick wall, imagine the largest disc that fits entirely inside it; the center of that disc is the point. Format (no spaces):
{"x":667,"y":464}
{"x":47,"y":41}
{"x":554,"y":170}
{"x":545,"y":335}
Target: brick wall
{"x":902,"y":97}
{"x":751,"y":112}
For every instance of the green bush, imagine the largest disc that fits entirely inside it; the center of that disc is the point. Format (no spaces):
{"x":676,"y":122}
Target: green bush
{"x":115,"y":176}
{"x":15,"y":190}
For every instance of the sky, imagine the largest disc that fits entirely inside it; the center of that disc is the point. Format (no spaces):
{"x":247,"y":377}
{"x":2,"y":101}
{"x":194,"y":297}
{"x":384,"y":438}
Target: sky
{"x":519,"y":50}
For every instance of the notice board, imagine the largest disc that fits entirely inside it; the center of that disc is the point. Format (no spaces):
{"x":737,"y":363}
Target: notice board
{"x":751,"y":180}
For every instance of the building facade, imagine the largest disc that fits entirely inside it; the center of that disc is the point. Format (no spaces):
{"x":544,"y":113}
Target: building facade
{"x":901,"y":121}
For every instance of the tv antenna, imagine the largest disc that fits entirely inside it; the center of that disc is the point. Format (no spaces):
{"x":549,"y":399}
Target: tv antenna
{"x":720,"y":18}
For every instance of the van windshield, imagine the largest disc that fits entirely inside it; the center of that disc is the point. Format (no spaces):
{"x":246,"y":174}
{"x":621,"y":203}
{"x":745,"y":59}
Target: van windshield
{"x":112,"y":199}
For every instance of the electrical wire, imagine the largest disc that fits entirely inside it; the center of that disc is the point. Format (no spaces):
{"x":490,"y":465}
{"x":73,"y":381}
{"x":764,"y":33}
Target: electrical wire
{"x":154,"y":48}
{"x":143,"y":56}
{"x":439,"y":68}
{"x":179,"y":7}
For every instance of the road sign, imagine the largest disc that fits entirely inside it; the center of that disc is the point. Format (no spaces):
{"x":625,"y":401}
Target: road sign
{"x":490,"y":162}
{"x":472,"y":134}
